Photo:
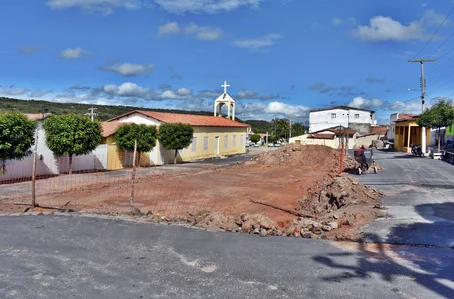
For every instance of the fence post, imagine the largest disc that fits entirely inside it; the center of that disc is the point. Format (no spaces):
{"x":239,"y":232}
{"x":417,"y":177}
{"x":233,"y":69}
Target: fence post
{"x":34,"y":170}
{"x":341,"y":166}
{"x":133,"y":174}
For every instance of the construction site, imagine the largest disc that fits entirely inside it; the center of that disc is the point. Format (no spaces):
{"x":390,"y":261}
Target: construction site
{"x":297,"y":190}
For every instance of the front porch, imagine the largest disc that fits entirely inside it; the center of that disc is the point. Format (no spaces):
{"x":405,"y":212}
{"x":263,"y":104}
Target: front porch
{"x":407,"y":134}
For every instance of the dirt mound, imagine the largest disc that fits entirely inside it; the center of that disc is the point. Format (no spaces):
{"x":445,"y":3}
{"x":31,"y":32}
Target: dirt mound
{"x":341,"y":192}
{"x":294,"y":154}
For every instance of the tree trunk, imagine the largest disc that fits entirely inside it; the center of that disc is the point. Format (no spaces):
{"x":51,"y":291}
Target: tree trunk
{"x":71,"y":164}
{"x":175,"y":158}
{"x":3,"y":166}
{"x":133,"y":177}
{"x":439,"y":139}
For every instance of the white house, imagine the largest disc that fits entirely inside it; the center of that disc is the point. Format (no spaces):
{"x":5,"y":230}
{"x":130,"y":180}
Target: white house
{"x":47,"y":164}
{"x":332,"y":137}
{"x":357,"y":119}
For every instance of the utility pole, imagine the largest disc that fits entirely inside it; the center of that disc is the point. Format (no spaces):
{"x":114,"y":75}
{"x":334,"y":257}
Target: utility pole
{"x":92,"y":113}
{"x":423,"y":95}
{"x":290,"y":128}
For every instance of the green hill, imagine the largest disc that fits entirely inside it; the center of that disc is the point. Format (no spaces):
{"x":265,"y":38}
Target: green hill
{"x":259,"y":126}
{"x":104,"y":111}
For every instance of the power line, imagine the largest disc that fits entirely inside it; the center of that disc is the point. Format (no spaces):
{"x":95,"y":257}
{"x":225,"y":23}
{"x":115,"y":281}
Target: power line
{"x":436,"y":31}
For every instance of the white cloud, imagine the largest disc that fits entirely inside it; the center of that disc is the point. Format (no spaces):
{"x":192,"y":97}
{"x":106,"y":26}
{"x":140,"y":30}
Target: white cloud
{"x":383,"y":28}
{"x":257,"y":43}
{"x":39,"y":93}
{"x":126,"y":89}
{"x":286,"y":109}
{"x":73,"y":53}
{"x":336,"y":21}
{"x":104,"y":6}
{"x":360,"y":102}
{"x":413,"y":106}
{"x":204,"y":32}
{"x":13,"y":91}
{"x":169,"y":28}
{"x":205,"y":6}
{"x":129,"y":69}
{"x":179,"y":94}
{"x":184,"y":91}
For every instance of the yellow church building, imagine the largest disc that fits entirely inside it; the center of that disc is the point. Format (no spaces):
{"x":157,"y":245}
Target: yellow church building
{"x":214,"y":136}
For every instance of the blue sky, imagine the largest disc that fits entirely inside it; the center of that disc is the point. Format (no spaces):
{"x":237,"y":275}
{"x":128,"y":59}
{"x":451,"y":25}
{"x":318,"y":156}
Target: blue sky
{"x":279,"y":56}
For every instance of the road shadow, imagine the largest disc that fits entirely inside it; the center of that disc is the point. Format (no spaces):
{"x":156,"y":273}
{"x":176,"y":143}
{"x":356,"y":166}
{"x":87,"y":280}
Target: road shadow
{"x":426,"y":267}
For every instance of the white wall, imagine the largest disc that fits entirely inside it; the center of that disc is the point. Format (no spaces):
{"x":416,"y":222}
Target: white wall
{"x":23,"y":168}
{"x":392,"y":121}
{"x":319,"y":120}
{"x":47,"y":164}
{"x":96,"y":160}
{"x":138,"y":118}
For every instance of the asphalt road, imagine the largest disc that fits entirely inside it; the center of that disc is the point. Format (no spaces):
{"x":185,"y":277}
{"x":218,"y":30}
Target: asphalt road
{"x":420,"y":199}
{"x":85,"y":257}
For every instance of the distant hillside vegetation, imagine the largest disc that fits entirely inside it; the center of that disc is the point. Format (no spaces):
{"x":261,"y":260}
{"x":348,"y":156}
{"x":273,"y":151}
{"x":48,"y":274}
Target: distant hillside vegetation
{"x":259,"y":126}
{"x":105,"y":112}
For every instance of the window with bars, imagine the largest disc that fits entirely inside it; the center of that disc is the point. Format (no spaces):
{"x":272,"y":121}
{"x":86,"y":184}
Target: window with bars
{"x":226,"y":141}
{"x":241,"y":140}
{"x":333,"y":115}
{"x":356,"y":116}
{"x":234,"y":141}
{"x":205,"y":143}
{"x":194,"y":144}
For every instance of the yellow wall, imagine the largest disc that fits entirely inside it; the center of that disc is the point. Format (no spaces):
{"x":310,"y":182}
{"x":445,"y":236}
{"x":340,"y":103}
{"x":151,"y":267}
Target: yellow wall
{"x":114,"y":159}
{"x":211,"y":133}
{"x":305,"y":140}
{"x":408,"y":133}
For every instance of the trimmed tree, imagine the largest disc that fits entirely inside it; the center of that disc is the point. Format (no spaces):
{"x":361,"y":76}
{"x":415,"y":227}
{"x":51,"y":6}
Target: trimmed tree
{"x":273,"y":139}
{"x":175,"y":137}
{"x":71,"y":135}
{"x":146,"y":138}
{"x":255,"y":138}
{"x":16,"y":136}
{"x":438,"y":116}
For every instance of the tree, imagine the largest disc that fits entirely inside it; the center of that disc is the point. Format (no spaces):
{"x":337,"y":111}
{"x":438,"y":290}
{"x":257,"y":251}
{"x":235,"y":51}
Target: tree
{"x":255,"y":138}
{"x":72,"y":134}
{"x":273,"y":139}
{"x":146,"y":138}
{"x":16,"y":136}
{"x":175,"y":136}
{"x":298,"y":129}
{"x":438,"y":116}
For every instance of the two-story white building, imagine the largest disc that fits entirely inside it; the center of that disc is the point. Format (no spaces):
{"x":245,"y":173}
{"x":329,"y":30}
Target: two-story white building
{"x":357,"y":119}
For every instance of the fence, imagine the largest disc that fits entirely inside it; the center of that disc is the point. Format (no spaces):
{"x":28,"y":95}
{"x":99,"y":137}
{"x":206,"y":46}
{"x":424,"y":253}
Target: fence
{"x":93,"y":188}
{"x":175,"y":190}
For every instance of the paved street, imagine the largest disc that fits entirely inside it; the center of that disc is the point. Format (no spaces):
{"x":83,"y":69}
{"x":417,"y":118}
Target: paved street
{"x":420,"y":199}
{"x":81,"y":257}
{"x":95,"y":257}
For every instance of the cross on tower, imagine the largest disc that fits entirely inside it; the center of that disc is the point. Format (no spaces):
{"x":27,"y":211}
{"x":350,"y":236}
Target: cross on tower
{"x":225,"y":86}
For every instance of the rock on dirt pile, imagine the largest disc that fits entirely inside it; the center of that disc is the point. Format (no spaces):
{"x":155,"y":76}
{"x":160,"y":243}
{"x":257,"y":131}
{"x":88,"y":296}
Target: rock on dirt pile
{"x":340,"y":192}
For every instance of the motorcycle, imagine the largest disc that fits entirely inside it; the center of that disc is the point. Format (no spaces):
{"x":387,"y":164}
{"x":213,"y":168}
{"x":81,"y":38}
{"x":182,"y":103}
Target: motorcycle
{"x":416,"y":150}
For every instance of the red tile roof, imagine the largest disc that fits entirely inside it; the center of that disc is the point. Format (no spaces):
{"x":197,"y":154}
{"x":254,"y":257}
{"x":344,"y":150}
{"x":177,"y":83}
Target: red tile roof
{"x":193,"y":120}
{"x":110,"y":127}
{"x":405,"y":117}
{"x":379,"y":130}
